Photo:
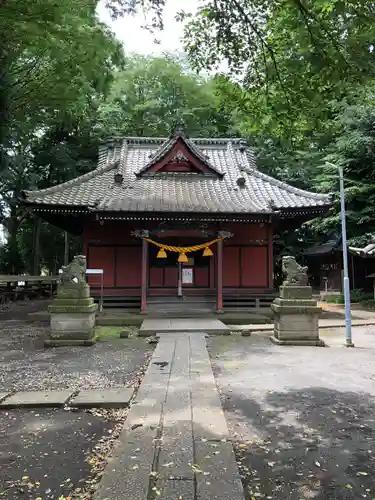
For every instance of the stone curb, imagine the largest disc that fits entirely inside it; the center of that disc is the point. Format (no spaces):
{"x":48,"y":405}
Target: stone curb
{"x":107,"y":398}
{"x":336,"y":324}
{"x":36,"y":399}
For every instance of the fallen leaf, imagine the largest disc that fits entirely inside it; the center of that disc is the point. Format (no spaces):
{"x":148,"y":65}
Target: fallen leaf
{"x":196,"y":468}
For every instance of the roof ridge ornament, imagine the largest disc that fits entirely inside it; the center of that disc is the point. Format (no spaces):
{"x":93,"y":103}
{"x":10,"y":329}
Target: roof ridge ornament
{"x":179,"y":130}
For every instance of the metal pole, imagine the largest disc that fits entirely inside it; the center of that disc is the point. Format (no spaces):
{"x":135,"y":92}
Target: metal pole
{"x":348,"y":321}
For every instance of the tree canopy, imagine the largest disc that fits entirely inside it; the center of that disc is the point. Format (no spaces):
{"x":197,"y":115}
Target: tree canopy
{"x":299,"y":88}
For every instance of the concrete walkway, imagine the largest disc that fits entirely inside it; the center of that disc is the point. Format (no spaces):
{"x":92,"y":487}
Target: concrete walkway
{"x":181,"y":325}
{"x":175,"y":442}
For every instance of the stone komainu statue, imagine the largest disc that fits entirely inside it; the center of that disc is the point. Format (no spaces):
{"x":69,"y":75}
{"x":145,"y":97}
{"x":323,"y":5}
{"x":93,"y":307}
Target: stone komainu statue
{"x":294,"y":273}
{"x":75,"y":272}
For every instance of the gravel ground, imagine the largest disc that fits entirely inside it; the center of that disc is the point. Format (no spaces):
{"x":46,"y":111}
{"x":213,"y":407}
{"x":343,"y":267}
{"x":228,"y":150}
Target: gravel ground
{"x":27,"y":365}
{"x":48,"y":453}
{"x":302,"y":418}
{"x":19,"y":310}
{"x":58,"y":454}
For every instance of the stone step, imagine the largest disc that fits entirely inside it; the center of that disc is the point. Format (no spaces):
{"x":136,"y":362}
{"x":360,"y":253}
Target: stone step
{"x":210,"y":326}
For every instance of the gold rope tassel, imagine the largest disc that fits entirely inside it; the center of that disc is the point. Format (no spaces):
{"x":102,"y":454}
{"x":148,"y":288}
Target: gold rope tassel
{"x":182,"y":258}
{"x":207,"y":252}
{"x":162,"y":254}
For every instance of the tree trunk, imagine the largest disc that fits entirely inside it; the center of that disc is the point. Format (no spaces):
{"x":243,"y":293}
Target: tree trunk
{"x":15,"y":262}
{"x":66,"y":248}
{"x":36,"y":246}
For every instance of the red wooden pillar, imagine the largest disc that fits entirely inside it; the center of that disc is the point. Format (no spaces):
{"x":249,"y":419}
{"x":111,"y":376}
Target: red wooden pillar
{"x":270,"y":255}
{"x":219,"y":276}
{"x":144,"y":276}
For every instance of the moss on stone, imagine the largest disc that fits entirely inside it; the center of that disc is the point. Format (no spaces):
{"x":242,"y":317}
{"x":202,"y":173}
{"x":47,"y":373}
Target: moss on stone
{"x":72,"y":309}
{"x":88,"y":301}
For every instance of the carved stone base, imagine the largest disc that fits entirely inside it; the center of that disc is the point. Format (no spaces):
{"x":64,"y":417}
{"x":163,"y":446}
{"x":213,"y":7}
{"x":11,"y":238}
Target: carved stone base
{"x":296,"y":316}
{"x":312,"y":342}
{"x":72,"y":320}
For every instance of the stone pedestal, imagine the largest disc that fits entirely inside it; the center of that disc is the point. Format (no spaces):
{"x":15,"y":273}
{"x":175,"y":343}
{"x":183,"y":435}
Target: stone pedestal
{"x":296,"y":316}
{"x":72,"y":316}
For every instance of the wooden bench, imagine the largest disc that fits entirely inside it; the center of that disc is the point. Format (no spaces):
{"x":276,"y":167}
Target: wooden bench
{"x":19,"y":287}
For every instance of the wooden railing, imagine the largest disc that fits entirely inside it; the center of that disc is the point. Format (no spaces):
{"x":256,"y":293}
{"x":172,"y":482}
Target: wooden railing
{"x":25,"y":286}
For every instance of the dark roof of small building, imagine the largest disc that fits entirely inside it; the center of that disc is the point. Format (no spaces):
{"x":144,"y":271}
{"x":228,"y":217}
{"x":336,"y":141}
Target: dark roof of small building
{"x":331,"y":245}
{"x":237,"y":187}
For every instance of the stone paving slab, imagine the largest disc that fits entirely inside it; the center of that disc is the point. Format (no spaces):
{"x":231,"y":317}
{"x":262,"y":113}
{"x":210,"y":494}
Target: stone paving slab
{"x":107,"y":398}
{"x":188,"y":325}
{"x":208,"y":417}
{"x":174,"y":490}
{"x":37,"y":399}
{"x":3,"y":395}
{"x":219,"y":479}
{"x":176,"y":448}
{"x":128,"y":472}
{"x":174,"y":441}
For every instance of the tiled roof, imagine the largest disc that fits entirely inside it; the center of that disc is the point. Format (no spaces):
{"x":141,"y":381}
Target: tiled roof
{"x":177,"y":192}
{"x":169,"y":144}
{"x":331,"y":245}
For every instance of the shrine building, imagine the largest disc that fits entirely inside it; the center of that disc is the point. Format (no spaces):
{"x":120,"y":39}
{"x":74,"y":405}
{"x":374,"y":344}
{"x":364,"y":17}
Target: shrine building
{"x":176,"y":218}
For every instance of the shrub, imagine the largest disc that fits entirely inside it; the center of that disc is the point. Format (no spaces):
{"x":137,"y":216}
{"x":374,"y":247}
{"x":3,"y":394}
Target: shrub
{"x":355,"y":297}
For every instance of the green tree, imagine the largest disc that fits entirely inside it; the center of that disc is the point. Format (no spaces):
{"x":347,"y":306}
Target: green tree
{"x":151,"y":94}
{"x":56,"y":64}
{"x":146,"y":98}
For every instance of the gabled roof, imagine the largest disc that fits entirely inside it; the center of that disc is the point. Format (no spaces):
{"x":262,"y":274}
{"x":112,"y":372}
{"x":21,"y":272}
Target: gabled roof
{"x":177,"y":142}
{"x":117,"y":186}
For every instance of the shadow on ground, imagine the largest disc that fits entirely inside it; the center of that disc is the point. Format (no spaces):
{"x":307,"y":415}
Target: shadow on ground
{"x":46,"y":453}
{"x":315,"y":443}
{"x":302,"y":419}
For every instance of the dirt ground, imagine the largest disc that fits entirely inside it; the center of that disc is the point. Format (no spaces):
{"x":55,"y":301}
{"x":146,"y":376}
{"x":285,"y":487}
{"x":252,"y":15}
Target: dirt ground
{"x":302,"y":418}
{"x":46,"y":454}
{"x":59,"y":453}
{"x":27,"y":365}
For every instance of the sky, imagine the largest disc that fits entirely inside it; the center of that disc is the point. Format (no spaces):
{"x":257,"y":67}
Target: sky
{"x":135,"y":39}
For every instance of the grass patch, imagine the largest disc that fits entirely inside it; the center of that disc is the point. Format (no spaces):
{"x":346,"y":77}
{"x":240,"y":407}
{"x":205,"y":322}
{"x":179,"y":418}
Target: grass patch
{"x":104,"y":333}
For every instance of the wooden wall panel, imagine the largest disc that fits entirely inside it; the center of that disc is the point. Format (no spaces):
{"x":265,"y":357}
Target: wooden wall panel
{"x":201,"y":276}
{"x":156,"y":277}
{"x":171,"y":276}
{"x":231,"y":266}
{"x":102,"y":258}
{"x":128,"y":266}
{"x":254,"y":266}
